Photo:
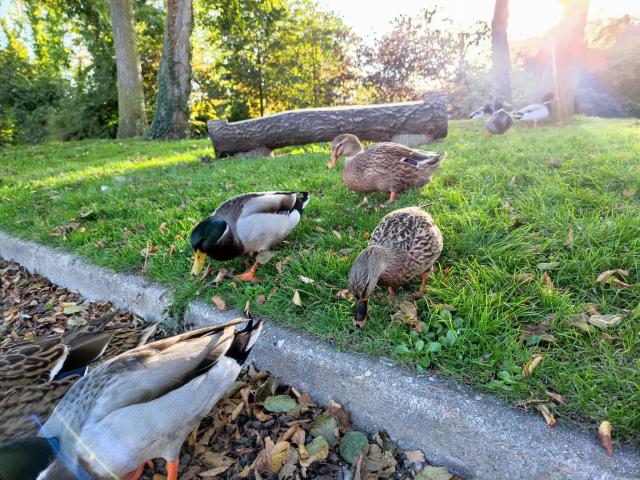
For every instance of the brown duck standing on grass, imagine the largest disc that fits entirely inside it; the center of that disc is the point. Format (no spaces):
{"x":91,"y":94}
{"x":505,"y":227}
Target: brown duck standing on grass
{"x":500,"y":121}
{"x":383,"y":167}
{"x":406,"y":243}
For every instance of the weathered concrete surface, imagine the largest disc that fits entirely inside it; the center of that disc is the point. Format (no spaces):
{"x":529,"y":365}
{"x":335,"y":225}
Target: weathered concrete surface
{"x":474,"y":435}
{"x":143,"y":298}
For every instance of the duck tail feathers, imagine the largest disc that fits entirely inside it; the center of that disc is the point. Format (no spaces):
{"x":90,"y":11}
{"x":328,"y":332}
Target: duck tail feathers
{"x":301,"y":202}
{"x":244,"y":340}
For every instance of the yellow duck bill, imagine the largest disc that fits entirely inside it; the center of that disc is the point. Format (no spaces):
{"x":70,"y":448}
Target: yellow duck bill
{"x":198,"y":262}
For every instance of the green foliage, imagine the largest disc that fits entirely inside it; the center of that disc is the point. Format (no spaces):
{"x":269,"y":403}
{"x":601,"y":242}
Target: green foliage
{"x":276,"y":54}
{"x":419,"y":51}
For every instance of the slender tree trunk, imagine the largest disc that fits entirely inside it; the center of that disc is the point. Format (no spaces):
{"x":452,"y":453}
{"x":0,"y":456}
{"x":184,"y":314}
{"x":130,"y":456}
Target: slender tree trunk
{"x":569,"y":54}
{"x":171,"y":120}
{"x":132,"y":119}
{"x":501,"y":71}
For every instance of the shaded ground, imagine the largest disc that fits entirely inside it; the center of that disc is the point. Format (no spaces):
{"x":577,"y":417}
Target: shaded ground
{"x":530,"y":221}
{"x":262,"y":429}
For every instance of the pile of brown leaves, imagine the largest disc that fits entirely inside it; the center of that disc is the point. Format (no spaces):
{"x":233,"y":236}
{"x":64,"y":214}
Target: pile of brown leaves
{"x":30,"y":306}
{"x":264,"y":430}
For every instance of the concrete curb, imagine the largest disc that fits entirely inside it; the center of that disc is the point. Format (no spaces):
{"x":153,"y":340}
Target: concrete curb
{"x":472,"y":434}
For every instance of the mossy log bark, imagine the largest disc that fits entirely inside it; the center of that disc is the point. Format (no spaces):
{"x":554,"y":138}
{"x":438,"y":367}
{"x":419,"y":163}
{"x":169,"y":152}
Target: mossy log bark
{"x":410,"y":122}
{"x":132,"y":119}
{"x":171,"y":120}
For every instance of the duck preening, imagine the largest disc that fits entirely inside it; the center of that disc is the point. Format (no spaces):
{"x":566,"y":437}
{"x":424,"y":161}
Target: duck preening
{"x":500,"y":121}
{"x":383,"y":167}
{"x":406,"y":243}
{"x":536,"y":112}
{"x":137,"y":406}
{"x":247,"y":223}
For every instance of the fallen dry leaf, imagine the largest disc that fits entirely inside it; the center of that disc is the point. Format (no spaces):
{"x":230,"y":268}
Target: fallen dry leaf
{"x":415,"y":456}
{"x":555,"y":162}
{"x":345,"y":294}
{"x":547,"y":265}
{"x":604,"y":432}
{"x":406,"y":313}
{"x":543,"y":408}
{"x":609,"y":277}
{"x":336,"y":410}
{"x":296,"y":298}
{"x":569,"y":240}
{"x":260,"y":299}
{"x":163,"y":227}
{"x":605,"y":321}
{"x":557,"y":397}
{"x":222,"y":273}
{"x":306,"y":279}
{"x":337,"y":234}
{"x":580,"y":320}
{"x":219,"y":303}
{"x":522,"y":277}
{"x":528,"y":369}
{"x":628,"y":192}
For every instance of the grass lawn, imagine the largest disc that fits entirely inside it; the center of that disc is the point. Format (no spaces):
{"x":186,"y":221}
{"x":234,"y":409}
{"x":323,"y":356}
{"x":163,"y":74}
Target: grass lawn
{"x":502,"y":206}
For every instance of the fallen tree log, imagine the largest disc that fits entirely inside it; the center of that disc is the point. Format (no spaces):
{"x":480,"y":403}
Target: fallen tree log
{"x":409,"y":123}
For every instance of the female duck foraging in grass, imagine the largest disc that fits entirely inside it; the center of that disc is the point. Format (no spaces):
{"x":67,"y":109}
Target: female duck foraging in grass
{"x":383,"y":167}
{"x":406,"y":243}
{"x":247,"y":223}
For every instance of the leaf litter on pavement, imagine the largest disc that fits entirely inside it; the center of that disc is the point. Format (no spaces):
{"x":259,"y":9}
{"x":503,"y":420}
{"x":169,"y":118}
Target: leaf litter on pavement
{"x":259,"y":430}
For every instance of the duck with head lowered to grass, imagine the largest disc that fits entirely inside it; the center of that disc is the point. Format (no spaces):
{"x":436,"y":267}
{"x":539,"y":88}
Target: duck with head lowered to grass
{"x":383,"y":167}
{"x":247,"y":223}
{"x":406,"y":243}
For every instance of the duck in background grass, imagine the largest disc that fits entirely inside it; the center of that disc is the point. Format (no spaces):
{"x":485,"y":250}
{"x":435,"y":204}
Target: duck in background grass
{"x":536,"y":112}
{"x":137,"y":406}
{"x":35,"y":375}
{"x":481,"y":112}
{"x":500,"y":121}
{"x":383,"y":167}
{"x":406,"y":243}
{"x":247,"y":223}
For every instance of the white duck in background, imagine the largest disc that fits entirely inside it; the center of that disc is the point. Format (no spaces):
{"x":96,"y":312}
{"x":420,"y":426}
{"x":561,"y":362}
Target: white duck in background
{"x":536,"y":112}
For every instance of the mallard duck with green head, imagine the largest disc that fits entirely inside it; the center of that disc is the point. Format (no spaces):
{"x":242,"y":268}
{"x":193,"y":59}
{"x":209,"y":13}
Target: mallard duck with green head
{"x":406,"y":243}
{"x":247,"y":223}
{"x":143,"y":403}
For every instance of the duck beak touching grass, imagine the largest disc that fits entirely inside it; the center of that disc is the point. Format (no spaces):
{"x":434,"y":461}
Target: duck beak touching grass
{"x":198,"y":262}
{"x":334,"y":158}
{"x":361,"y":313}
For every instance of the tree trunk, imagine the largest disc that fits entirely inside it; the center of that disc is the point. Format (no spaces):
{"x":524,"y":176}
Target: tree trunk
{"x":501,"y":71}
{"x":409,"y":123}
{"x":132,"y":119}
{"x":569,"y":54}
{"x":171,"y":120}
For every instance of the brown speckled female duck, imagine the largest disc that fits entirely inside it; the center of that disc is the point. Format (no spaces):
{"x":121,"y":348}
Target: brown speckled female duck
{"x":406,"y":243}
{"x":383,"y":167}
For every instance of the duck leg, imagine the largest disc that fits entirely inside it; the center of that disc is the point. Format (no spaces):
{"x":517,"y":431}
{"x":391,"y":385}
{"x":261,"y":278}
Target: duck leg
{"x":172,"y":469}
{"x":424,"y":284}
{"x":393,"y":196}
{"x":487,"y":135}
{"x":249,"y":274}
{"x":135,"y":475}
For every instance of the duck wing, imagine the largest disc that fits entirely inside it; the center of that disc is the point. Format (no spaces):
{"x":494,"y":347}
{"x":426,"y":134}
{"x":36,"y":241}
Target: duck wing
{"x":134,"y":377}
